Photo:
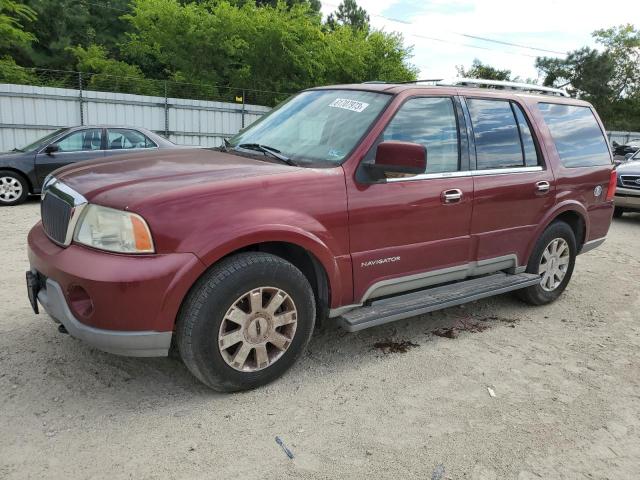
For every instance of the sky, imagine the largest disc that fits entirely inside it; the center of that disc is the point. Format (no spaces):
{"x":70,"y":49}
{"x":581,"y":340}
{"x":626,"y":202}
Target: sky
{"x":436,"y":29}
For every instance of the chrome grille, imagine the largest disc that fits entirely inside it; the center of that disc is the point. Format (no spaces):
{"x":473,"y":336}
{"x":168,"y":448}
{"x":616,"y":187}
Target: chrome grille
{"x":56,"y":214}
{"x":630,"y":181}
{"x":60,"y":210}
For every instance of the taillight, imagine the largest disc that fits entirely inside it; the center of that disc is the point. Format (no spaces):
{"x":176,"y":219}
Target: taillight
{"x":611,"y":191}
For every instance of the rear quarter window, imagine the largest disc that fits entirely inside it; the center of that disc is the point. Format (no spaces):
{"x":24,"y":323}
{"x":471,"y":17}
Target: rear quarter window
{"x":576,"y":134}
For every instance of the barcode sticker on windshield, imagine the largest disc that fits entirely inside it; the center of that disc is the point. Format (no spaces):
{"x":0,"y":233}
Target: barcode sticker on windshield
{"x":347,"y":104}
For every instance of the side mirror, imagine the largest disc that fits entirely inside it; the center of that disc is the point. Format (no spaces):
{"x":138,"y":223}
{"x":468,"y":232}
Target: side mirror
{"x":52,"y":149}
{"x":399,"y":158}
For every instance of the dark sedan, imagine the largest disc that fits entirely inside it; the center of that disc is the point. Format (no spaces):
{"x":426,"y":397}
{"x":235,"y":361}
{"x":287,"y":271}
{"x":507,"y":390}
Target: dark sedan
{"x":23,"y":170}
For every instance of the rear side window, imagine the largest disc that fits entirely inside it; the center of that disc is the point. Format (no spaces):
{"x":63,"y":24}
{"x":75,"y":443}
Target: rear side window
{"x":576,"y":134}
{"x":122,"y":138}
{"x":496,"y":134}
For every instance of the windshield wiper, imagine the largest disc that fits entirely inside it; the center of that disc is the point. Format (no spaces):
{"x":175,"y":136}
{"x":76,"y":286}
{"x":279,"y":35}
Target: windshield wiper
{"x":274,"y":152}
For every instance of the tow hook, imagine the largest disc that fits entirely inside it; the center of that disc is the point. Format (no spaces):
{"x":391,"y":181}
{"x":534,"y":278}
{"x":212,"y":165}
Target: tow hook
{"x":63,"y":329}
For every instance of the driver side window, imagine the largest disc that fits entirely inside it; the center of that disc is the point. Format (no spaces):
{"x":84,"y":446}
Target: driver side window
{"x":431,"y":122}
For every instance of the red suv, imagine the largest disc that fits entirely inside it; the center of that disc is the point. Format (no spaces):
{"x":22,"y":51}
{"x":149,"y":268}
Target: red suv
{"x":366,"y":203}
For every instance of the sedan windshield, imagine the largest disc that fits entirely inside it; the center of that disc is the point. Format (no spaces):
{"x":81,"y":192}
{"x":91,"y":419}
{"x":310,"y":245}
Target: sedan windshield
{"x":38,"y":144}
{"x":317,"y":126}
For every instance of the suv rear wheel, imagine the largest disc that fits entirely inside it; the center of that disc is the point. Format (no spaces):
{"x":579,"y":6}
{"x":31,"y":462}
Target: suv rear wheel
{"x":246,"y":321}
{"x":13,"y":188}
{"x":553,"y":259}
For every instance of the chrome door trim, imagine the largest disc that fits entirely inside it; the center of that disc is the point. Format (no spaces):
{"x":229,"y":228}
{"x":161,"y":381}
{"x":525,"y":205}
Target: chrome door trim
{"x":417,"y":281}
{"x":469,"y":173}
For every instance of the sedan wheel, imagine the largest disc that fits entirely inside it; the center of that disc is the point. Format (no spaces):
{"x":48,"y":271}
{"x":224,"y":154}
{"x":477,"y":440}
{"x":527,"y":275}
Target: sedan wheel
{"x":13,"y":188}
{"x":10,"y":189}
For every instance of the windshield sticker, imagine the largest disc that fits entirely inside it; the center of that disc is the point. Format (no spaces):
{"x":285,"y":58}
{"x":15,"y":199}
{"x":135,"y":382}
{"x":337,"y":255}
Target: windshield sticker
{"x":347,"y":104}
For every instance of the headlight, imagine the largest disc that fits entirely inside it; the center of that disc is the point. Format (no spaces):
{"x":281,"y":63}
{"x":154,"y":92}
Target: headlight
{"x":113,"y":230}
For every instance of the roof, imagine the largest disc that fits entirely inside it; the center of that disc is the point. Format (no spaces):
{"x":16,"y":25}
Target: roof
{"x":397,"y":88}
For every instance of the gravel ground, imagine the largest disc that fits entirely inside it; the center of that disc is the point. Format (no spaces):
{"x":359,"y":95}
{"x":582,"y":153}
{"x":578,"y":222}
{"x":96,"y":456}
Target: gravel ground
{"x":566,"y":379}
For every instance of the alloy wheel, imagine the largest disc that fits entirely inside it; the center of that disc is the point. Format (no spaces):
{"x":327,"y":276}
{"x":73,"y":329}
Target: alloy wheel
{"x":257,"y":329}
{"x":10,"y":189}
{"x":554,"y":264}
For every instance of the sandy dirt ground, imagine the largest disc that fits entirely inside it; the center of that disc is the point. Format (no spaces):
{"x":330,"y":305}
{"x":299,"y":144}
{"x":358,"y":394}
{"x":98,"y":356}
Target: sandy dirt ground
{"x":566,"y":379}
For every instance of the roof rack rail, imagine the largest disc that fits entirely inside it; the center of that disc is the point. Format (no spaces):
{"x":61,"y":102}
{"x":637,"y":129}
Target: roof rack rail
{"x":527,"y":87}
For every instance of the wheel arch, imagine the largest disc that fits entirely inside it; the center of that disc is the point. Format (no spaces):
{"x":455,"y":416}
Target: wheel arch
{"x":329,"y":275}
{"x":302,"y":259}
{"x":572,"y":213}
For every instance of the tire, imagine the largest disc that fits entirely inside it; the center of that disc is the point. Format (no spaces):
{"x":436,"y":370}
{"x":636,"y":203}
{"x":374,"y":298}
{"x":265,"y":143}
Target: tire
{"x":542,"y":293}
{"x":617,"y":212}
{"x":14,"y":188}
{"x":228,"y":291}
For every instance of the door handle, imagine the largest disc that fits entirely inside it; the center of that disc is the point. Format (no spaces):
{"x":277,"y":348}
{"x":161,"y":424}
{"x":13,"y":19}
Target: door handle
{"x":452,"y":196}
{"x":543,"y":186}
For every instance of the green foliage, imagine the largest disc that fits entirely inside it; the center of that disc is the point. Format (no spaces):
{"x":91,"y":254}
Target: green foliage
{"x":13,"y":16}
{"x":61,"y":24}
{"x":12,"y":73}
{"x":110,"y":75}
{"x":314,"y":5}
{"x":279,"y":48}
{"x":206,"y":48}
{"x":483,"y":71}
{"x":349,"y":14}
{"x":609,"y":79}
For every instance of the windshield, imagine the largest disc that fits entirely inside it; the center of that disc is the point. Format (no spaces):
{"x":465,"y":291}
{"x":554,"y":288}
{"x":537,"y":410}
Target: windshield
{"x":317,"y":126}
{"x":38,"y":144}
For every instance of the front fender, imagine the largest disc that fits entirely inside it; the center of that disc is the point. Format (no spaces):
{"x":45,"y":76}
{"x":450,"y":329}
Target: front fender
{"x":23,"y":163}
{"x":329,"y":251}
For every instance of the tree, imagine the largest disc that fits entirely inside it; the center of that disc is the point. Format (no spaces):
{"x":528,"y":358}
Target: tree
{"x":349,"y":14}
{"x":13,"y":15}
{"x":622,"y":43}
{"x":609,"y":79}
{"x":483,"y":71}
{"x":109,"y":75}
{"x":281,"y":48}
{"x":314,"y":5}
{"x":62,"y":24}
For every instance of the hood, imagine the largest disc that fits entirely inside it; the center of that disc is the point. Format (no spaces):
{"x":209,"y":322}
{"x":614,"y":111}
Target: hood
{"x":630,"y":168}
{"x":123,"y":181}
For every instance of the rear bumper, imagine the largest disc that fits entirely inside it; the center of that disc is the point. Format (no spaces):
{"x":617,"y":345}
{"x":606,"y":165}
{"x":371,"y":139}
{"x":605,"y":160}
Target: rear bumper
{"x":627,"y":198}
{"x":133,"y":344}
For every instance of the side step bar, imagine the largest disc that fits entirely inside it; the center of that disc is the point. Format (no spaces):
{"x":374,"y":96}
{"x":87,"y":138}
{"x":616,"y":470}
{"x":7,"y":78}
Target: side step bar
{"x":437,"y":298}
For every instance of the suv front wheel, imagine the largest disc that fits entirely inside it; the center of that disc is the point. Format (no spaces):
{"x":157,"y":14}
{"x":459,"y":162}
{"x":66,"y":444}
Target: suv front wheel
{"x":246,"y":321}
{"x":553,"y":258}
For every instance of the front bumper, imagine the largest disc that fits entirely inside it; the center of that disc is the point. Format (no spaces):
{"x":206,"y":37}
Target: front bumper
{"x":123,"y":304}
{"x":132,"y":344}
{"x":627,"y":198}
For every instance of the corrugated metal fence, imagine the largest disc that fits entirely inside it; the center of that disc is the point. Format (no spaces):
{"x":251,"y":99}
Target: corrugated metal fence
{"x":28,"y":112}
